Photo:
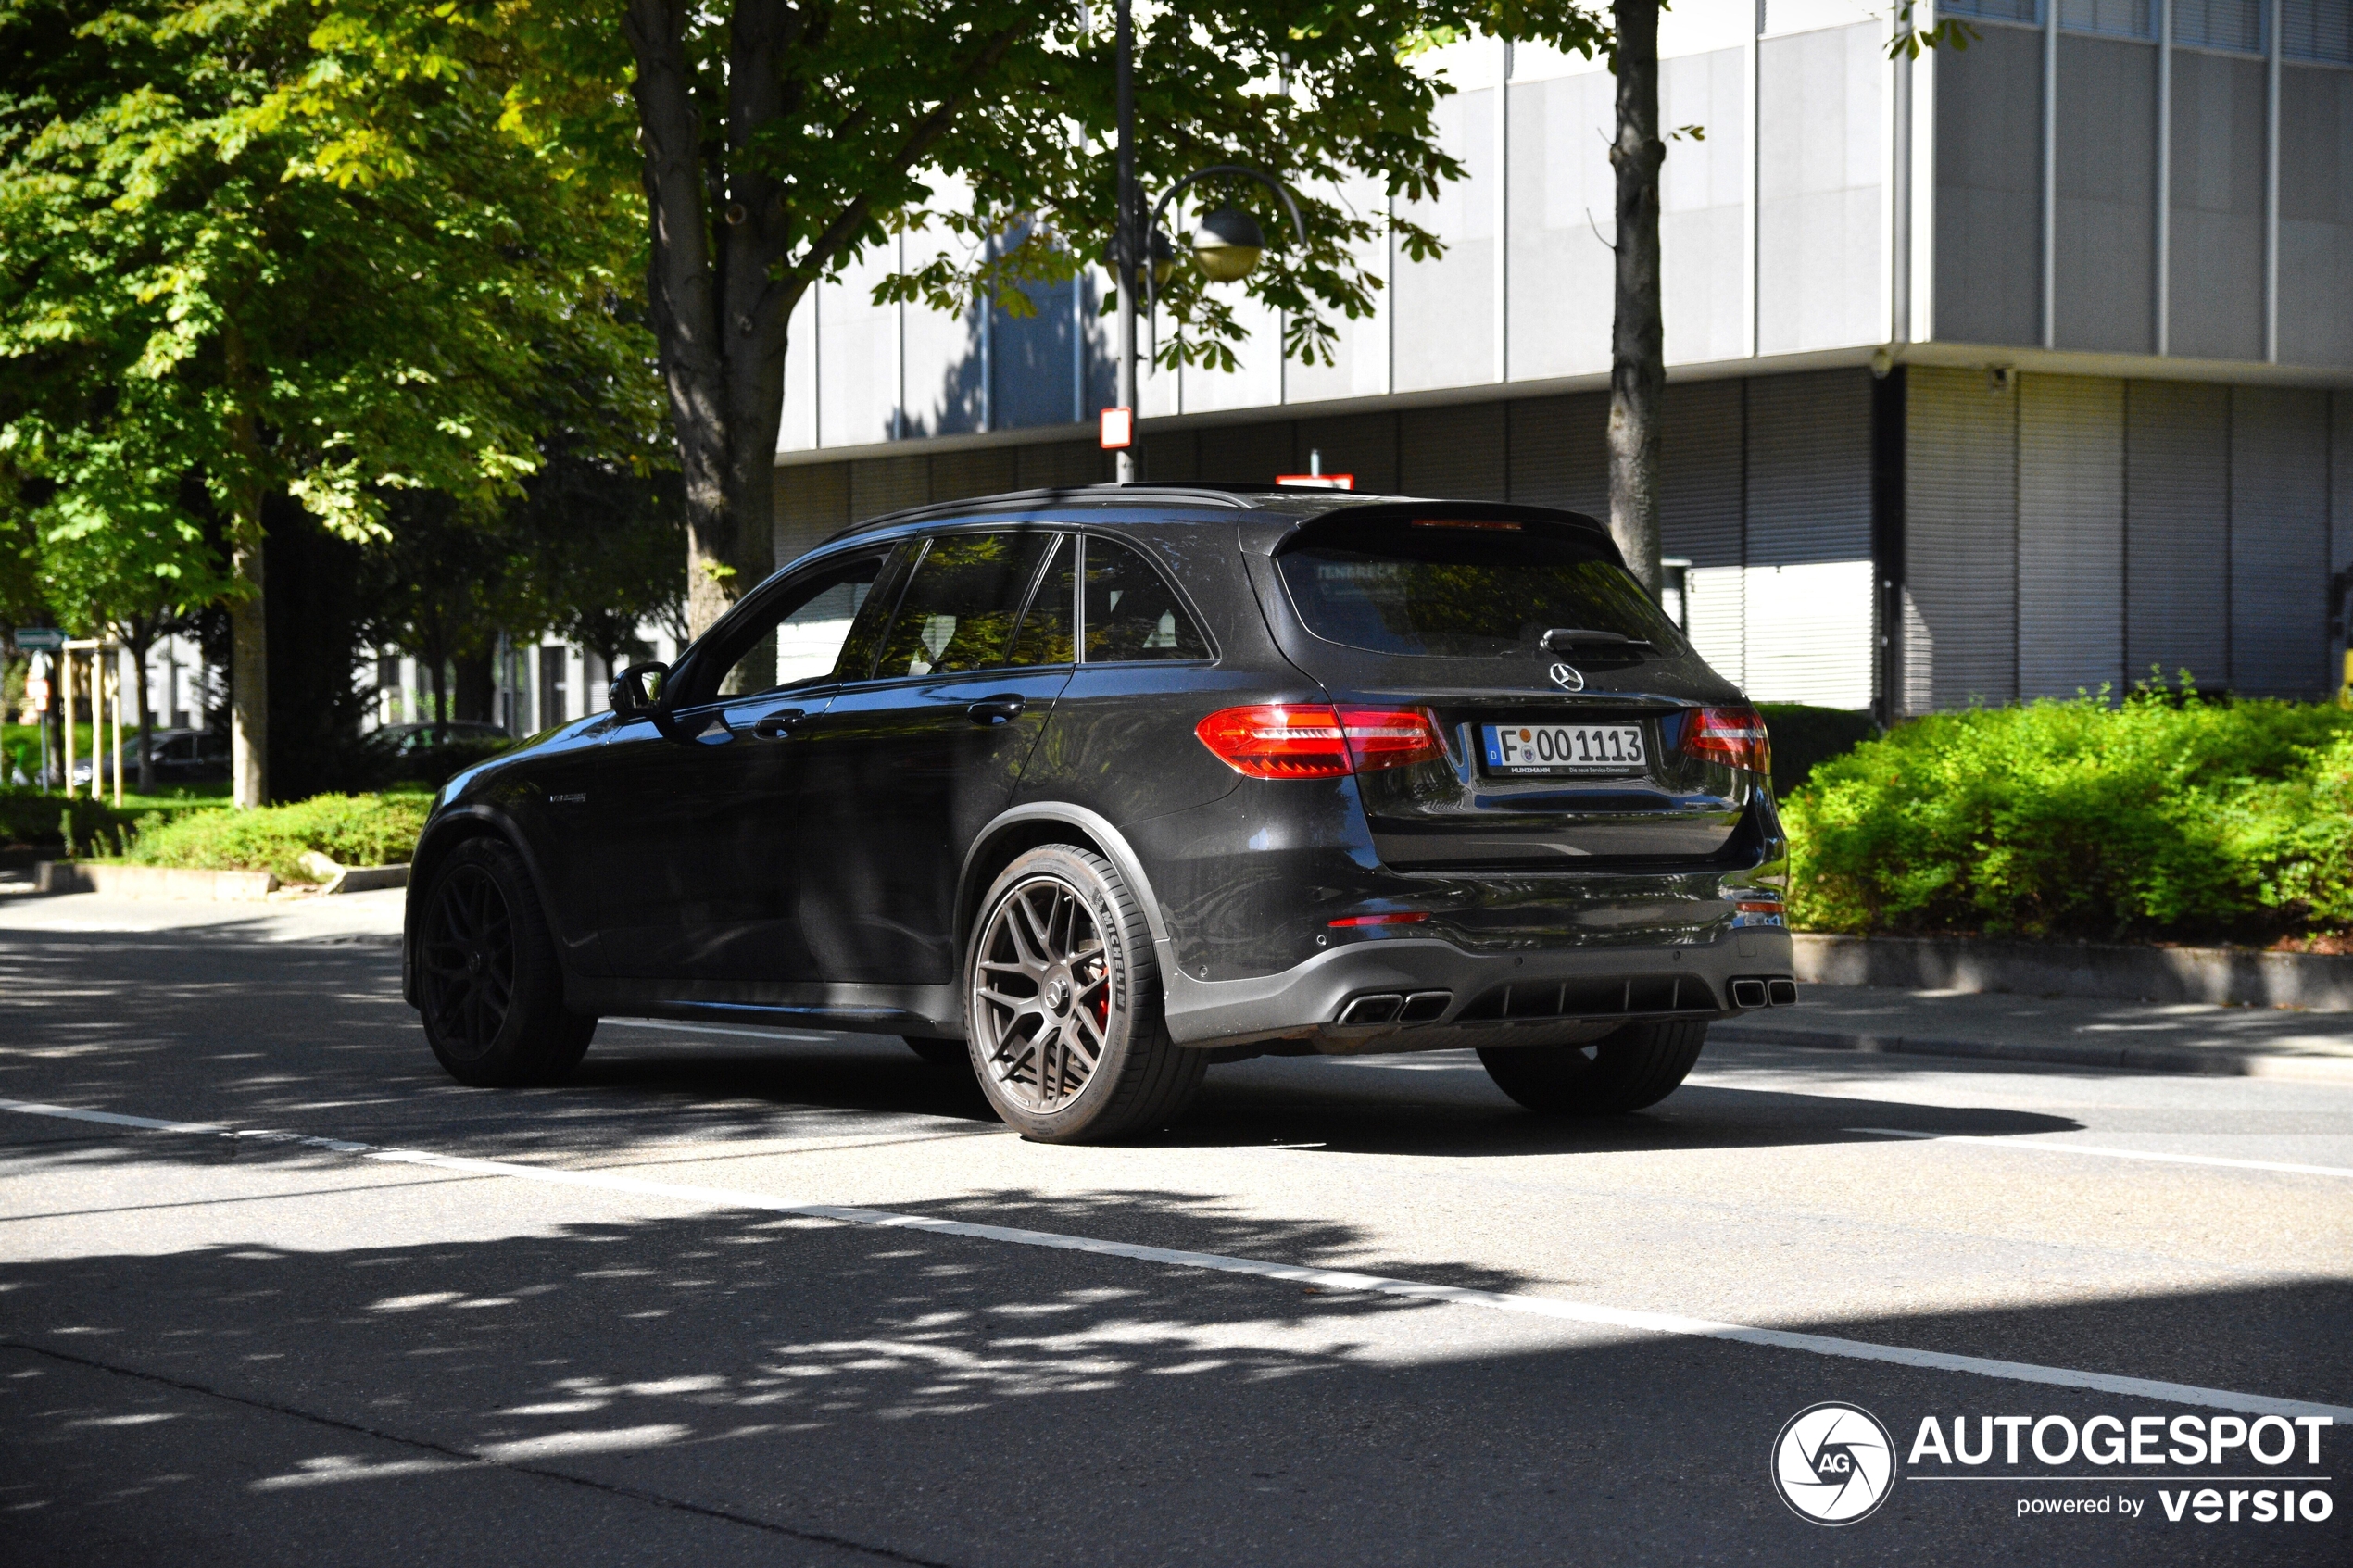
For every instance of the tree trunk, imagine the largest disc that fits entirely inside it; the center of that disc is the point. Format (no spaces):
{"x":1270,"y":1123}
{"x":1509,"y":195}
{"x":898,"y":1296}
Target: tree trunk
{"x":719,"y":315}
{"x":141,"y":645}
{"x":1638,"y":361}
{"x":477,"y":685}
{"x":248,"y":670}
{"x":249,"y":611}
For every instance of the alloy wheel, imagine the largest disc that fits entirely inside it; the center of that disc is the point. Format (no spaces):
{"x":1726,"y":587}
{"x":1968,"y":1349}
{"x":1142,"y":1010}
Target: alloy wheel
{"x":1042,"y":995}
{"x":468,"y":960}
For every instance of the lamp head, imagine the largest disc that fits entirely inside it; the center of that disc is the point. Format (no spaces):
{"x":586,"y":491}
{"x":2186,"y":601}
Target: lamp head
{"x":1228,"y":244}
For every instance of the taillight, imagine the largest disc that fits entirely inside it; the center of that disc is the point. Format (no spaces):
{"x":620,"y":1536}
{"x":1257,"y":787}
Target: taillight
{"x":1732,"y":735}
{"x":1317,"y":740}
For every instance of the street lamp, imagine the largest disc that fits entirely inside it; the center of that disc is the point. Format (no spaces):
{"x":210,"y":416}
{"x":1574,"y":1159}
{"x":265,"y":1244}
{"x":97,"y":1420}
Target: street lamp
{"x":1226,"y":246}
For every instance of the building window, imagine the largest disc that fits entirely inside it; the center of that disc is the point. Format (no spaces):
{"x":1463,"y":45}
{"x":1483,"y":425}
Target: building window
{"x":2029,"y":11}
{"x":553,"y":710}
{"x":2317,"y":30}
{"x":2121,"y":18}
{"x":2236,"y":25}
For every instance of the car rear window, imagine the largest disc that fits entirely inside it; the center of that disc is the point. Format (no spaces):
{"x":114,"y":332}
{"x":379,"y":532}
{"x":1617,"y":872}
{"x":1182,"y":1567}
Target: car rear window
{"x":1467,"y":589}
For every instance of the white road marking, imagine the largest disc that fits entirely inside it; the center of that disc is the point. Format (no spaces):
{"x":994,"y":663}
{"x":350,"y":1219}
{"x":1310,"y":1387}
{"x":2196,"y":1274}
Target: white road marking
{"x":1672,"y":1324}
{"x":2094,"y":1149}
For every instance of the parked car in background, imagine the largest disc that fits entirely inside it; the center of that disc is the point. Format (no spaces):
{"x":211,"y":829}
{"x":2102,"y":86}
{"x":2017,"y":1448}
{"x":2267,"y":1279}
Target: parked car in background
{"x":1090,"y":789}
{"x":404,"y":739}
{"x":180,"y":756}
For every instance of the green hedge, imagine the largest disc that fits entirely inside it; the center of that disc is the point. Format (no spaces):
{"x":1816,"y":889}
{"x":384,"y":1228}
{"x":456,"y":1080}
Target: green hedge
{"x":2154,"y":818}
{"x":1805,"y":737}
{"x":352,"y":830}
{"x":31,"y":817}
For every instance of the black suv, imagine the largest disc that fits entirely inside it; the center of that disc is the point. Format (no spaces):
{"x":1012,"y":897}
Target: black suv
{"x":1093,"y":788}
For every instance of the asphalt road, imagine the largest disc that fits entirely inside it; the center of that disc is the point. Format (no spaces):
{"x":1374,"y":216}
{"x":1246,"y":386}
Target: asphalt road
{"x":798,"y":1300}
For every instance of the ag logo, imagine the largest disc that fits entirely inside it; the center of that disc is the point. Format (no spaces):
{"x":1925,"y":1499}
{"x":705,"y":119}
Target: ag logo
{"x":1833,"y":1464}
{"x":1567,"y":677}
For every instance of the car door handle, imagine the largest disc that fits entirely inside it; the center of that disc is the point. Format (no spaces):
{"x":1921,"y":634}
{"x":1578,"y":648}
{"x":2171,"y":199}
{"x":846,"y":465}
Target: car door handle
{"x":776,"y":725}
{"x":995,"y":710}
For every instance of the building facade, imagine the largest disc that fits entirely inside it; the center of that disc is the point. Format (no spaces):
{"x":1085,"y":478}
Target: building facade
{"x":1998,"y":373}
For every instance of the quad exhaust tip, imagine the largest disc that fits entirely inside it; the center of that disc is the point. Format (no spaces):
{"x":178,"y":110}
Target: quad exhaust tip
{"x":1756,"y":992}
{"x":1391,"y":1007}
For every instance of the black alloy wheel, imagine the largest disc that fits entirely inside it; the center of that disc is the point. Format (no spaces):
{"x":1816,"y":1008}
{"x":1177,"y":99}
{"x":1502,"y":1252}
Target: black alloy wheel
{"x":469,"y":961}
{"x":491,"y":990}
{"x":1633,"y":1067}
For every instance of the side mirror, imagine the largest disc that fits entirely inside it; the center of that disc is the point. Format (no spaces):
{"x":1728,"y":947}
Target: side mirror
{"x":636,"y":689}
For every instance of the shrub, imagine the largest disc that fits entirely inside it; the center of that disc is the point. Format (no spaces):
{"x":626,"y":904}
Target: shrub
{"x":1804,"y":737}
{"x":352,"y":830}
{"x":2148,"y":818}
{"x":29,"y":817}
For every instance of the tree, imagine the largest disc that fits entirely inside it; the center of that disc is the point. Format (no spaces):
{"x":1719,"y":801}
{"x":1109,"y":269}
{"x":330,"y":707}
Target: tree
{"x":122,"y":554}
{"x":1638,"y":333}
{"x":605,"y":542}
{"x":1638,"y":352}
{"x":297,"y":250}
{"x":777,"y":142}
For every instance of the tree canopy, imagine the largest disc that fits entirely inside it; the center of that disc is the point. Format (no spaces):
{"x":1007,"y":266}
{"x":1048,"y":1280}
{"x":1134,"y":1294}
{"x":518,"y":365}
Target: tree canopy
{"x":257,"y":246}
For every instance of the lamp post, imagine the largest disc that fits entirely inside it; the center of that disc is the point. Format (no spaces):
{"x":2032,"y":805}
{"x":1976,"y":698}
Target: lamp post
{"x":1227,"y":247}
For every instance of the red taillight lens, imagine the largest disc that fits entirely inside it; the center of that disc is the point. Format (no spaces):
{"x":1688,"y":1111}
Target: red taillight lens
{"x":1315,"y":740}
{"x":1734,"y":736}
{"x":1381,"y":737}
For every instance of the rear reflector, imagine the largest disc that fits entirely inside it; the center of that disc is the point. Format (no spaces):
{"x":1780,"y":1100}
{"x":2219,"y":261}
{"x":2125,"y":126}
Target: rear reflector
{"x":1316,"y":740}
{"x":1400,"y":917}
{"x":1733,"y":735}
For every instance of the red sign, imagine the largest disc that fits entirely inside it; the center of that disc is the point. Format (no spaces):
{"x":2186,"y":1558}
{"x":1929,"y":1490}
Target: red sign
{"x":1119,"y":428}
{"x":1318,"y":481}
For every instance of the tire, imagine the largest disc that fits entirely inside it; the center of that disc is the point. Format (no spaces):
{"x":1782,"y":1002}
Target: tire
{"x":1637,"y":1066}
{"x":940,"y":1053}
{"x":1060,"y":968}
{"x":490,"y":984}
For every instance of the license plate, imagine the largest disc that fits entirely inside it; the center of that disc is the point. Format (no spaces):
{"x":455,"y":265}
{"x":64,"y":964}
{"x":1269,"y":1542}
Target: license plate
{"x":1564,"y":749}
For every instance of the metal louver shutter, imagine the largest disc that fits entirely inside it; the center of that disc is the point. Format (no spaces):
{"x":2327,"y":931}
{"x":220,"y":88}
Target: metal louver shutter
{"x":2071,"y":534}
{"x":1961,"y":524}
{"x":1560,"y":452}
{"x":1808,"y":539}
{"x":812,"y":505}
{"x":2177,"y":529}
{"x":1454,"y":454}
{"x":2279,"y":542}
{"x":887,"y":485}
{"x":1716,"y":601}
{"x":1699,"y":462}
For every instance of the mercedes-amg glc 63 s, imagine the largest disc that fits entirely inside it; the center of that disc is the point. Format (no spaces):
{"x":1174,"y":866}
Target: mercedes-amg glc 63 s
{"x":1094,"y":788}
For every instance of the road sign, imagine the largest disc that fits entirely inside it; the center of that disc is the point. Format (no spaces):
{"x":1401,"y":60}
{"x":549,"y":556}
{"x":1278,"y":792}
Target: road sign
{"x":44,"y":638}
{"x":1118,"y":428}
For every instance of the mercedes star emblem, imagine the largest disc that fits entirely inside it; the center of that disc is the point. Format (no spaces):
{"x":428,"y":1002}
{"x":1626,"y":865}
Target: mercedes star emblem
{"x":1566,"y":677}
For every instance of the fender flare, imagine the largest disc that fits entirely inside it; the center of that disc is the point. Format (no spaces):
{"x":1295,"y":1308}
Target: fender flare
{"x":1097,"y":827}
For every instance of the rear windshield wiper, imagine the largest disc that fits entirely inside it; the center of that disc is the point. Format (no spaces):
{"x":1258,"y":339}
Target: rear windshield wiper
{"x":1560,"y":639}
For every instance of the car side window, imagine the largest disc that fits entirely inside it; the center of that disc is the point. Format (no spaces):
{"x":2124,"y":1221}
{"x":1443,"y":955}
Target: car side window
{"x":1045,"y":635}
{"x":1132,"y":613}
{"x":799,"y":639}
{"x":959,"y":609}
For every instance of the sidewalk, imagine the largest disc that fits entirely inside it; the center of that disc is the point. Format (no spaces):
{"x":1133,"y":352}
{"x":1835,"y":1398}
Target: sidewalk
{"x":2068,"y":1031}
{"x":363,"y":918}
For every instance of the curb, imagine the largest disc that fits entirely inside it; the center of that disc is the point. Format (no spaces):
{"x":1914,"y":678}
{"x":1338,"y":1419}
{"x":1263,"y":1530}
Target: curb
{"x":2225,"y":976}
{"x":2194,"y":1060}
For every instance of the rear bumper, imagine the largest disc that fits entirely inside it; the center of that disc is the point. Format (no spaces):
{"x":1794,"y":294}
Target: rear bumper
{"x":1542,"y":997}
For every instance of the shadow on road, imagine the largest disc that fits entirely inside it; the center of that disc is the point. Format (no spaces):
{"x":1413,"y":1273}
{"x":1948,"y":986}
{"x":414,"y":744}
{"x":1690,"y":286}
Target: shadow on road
{"x":963,"y":1401}
{"x":155,"y":1028}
